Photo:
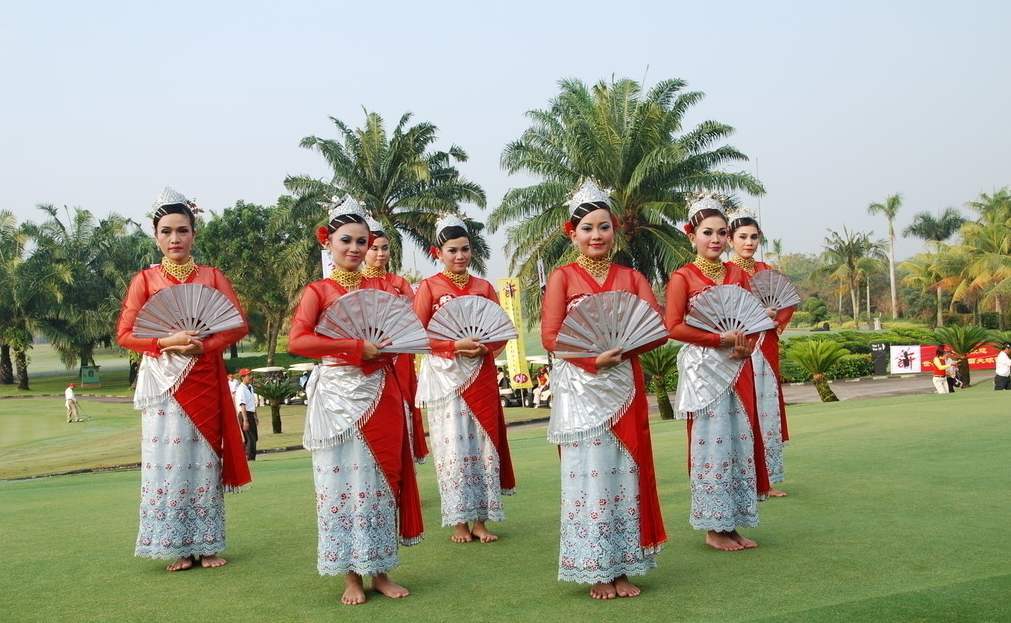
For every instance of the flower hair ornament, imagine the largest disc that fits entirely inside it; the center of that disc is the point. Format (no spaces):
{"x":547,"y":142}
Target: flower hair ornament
{"x":698,"y":202}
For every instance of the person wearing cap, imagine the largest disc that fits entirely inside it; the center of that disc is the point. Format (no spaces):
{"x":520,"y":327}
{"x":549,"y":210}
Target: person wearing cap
{"x":611,"y":526}
{"x":745,"y":238}
{"x":367,"y":499}
{"x":1002,"y":373}
{"x":377,"y":260}
{"x":245,"y":404}
{"x":726,"y":459}
{"x":458,"y":385}
{"x":73,"y":412}
{"x":191,"y":451}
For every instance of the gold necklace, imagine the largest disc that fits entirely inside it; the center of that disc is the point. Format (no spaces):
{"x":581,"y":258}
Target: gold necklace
{"x":597,"y":268}
{"x":371,"y":272}
{"x":748,"y":264}
{"x":714,"y":269}
{"x":350,"y":279}
{"x":179,"y":271}
{"x":459,"y":279}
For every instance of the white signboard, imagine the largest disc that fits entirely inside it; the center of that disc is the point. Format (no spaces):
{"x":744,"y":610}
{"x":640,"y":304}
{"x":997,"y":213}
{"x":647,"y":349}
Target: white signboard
{"x":904,"y":359}
{"x":327,"y":261}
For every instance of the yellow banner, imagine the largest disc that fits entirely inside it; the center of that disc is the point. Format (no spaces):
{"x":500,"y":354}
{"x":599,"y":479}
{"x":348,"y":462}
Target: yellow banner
{"x":509,"y":299}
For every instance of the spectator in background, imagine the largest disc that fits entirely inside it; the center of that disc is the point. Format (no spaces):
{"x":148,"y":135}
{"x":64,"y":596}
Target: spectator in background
{"x":73,"y":412}
{"x":941,"y":372}
{"x":245,"y":400}
{"x":951,"y":372}
{"x":1002,"y":375}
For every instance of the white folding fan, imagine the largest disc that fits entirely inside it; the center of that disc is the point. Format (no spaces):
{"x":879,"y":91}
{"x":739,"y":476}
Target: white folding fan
{"x":471,"y":316}
{"x":728,"y":308}
{"x":186,"y":307}
{"x":774,"y":289}
{"x":608,"y":320}
{"x":375,"y":316}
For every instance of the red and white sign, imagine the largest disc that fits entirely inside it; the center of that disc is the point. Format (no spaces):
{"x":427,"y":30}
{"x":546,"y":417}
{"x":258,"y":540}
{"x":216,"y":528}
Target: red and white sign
{"x":904,"y":359}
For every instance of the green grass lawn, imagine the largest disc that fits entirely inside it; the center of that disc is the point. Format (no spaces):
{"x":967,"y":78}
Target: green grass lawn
{"x":895,"y":514}
{"x":35,"y":438}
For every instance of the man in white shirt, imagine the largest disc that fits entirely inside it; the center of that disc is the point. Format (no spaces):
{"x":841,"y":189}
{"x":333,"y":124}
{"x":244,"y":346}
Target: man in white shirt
{"x":73,"y":413}
{"x":1002,"y":375}
{"x":245,"y":401}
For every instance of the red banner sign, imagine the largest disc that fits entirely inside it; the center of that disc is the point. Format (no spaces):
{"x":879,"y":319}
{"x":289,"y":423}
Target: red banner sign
{"x":982,"y":358}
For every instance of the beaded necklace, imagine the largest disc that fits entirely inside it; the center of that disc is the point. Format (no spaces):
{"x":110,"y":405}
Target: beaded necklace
{"x":747,"y":264}
{"x":459,"y":279}
{"x":374,"y":271}
{"x":714,"y":269}
{"x":180,"y":271}
{"x":597,"y":268}
{"x":350,"y":279}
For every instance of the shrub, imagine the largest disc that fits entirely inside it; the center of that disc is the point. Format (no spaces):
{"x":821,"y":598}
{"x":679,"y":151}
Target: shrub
{"x":801,"y":319}
{"x":989,"y":320}
{"x":851,"y":366}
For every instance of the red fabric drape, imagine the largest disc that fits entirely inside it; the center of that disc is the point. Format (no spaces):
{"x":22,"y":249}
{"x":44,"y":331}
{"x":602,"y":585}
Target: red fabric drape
{"x":407,"y":375}
{"x":566,"y":286}
{"x":685,"y":283}
{"x":203,"y":394}
{"x":481,"y":395}
{"x":386,"y":431}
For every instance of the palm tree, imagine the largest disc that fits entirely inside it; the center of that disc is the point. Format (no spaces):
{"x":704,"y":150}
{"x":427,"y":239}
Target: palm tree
{"x":631,"y":142}
{"x":659,"y":367}
{"x":986,"y":248}
{"x":962,"y":340}
{"x":275,"y":391}
{"x":925,"y":272}
{"x":936,"y":229}
{"x":818,"y":357}
{"x":889,"y":209}
{"x":843,"y":256}
{"x":776,"y":250}
{"x":31,"y":287}
{"x":401,"y":182}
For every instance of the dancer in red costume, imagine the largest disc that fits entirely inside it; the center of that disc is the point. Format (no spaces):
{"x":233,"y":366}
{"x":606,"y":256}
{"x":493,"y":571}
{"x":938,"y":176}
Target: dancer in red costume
{"x":611,"y":526}
{"x":377,"y":259}
{"x":192,"y":448}
{"x":457,"y":384}
{"x":355,"y":428}
{"x":745,"y":238}
{"x":726,"y":455}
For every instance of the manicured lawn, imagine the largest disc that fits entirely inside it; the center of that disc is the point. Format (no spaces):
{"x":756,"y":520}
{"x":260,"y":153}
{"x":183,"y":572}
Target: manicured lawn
{"x":895,"y":513}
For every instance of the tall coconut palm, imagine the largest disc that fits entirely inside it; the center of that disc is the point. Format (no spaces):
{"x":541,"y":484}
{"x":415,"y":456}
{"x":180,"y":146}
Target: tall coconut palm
{"x":818,"y":357}
{"x":629,"y":141}
{"x":889,"y":209}
{"x":843,"y":256}
{"x":776,"y":250}
{"x":31,"y":287}
{"x":926,"y":272}
{"x":80,"y":244}
{"x":962,"y":340}
{"x":986,"y":246}
{"x":403,"y":184}
{"x":659,"y":367}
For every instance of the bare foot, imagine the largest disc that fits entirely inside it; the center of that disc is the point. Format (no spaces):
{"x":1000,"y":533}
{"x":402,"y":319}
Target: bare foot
{"x":625,"y":588}
{"x":210,"y":562}
{"x":603,"y":591}
{"x":745,"y":542}
{"x":388,"y":587}
{"x":481,"y":532}
{"x":722,"y":541}
{"x":461,"y":534}
{"x":180,"y":565}
{"x":776,"y":493}
{"x":354,"y":592}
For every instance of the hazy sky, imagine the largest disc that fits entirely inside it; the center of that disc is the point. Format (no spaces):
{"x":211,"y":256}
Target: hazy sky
{"x":837,"y":104}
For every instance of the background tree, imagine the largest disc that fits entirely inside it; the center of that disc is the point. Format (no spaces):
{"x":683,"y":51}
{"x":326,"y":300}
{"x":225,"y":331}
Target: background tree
{"x":633,"y":143}
{"x":244,"y":241}
{"x":889,"y":209}
{"x":843,"y":257}
{"x":403,"y":184}
{"x":275,"y":391}
{"x":818,"y":357}
{"x":985,"y":253}
{"x":935,"y":229}
{"x":660,"y":368}
{"x":924,"y":272}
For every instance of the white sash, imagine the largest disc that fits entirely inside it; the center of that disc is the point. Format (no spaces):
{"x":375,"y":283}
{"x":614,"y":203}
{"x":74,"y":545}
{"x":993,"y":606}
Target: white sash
{"x":160,"y":376}
{"x":705,"y":375}
{"x":339,"y":399}
{"x":584,"y":405}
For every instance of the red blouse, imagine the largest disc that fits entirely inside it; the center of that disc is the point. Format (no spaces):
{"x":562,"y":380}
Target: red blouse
{"x":150,"y":281}
{"x":569,"y":284}
{"x":316,"y":297}
{"x":399,"y":285}
{"x":438,"y":290}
